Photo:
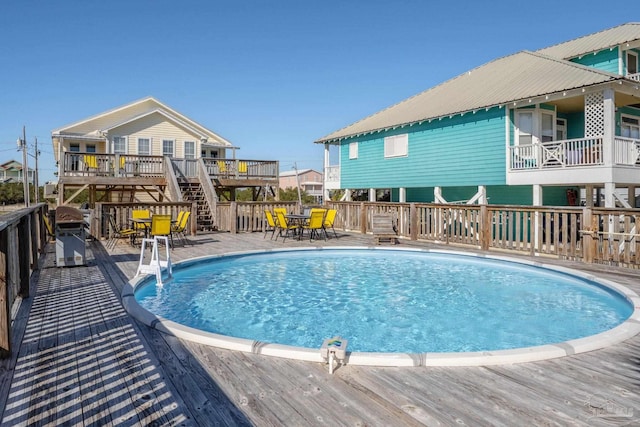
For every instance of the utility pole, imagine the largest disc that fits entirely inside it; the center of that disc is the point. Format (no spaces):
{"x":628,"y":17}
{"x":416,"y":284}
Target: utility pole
{"x":22,"y":143}
{"x":35,"y":176}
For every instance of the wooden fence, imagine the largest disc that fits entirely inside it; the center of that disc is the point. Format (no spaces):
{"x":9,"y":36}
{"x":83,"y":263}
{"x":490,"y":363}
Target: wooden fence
{"x":23,"y":237}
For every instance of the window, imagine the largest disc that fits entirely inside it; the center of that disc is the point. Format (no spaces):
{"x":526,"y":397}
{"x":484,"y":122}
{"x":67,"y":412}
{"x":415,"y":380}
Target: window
{"x":189,"y":150}
{"x":144,"y":146}
{"x":630,"y":127}
{"x":75,"y":159}
{"x":524,"y":127}
{"x":119,"y":145}
{"x":353,"y":150}
{"x":396,"y":146}
{"x":167,"y":147}
{"x":632,"y":63}
{"x":91,"y":148}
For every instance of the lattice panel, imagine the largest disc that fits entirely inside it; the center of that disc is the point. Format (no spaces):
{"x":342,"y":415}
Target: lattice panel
{"x":594,"y":114}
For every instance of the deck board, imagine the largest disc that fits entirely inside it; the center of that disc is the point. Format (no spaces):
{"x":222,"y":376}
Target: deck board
{"x":81,"y":360}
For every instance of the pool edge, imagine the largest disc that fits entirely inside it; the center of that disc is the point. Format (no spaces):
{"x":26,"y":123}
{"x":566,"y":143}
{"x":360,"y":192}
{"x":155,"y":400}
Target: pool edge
{"x":628,"y":329}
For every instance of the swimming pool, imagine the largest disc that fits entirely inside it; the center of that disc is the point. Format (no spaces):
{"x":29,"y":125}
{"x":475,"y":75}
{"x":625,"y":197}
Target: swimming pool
{"x":395,"y":306}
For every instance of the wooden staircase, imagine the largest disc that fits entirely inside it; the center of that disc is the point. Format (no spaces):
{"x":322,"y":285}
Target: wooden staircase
{"x":192,"y":192}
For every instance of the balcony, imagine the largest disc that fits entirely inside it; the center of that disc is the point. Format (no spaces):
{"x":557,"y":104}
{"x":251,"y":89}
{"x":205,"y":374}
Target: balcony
{"x":574,"y":161}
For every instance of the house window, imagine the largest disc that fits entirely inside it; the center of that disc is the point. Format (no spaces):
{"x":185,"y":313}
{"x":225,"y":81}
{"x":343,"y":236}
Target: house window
{"x":524,"y":127}
{"x":144,"y":146}
{"x":353,"y":150}
{"x":91,"y":148}
{"x":119,"y":145}
{"x":396,"y":146}
{"x":75,"y":159}
{"x":189,"y":150}
{"x":167,"y":147}
{"x":630,"y":127}
{"x":632,"y":63}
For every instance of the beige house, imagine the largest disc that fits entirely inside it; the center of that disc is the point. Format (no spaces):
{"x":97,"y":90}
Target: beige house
{"x":12,"y":171}
{"x":146,"y":151}
{"x":309,"y":180}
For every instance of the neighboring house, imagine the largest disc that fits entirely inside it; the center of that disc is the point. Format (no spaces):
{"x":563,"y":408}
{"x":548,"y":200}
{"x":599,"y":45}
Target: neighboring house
{"x":529,"y":128}
{"x":11,"y":171}
{"x":309,"y":180}
{"x":147,"y":151}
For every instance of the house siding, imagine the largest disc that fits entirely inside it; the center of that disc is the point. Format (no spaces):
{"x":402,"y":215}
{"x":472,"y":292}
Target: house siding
{"x":606,"y":60}
{"x":467,"y":150}
{"x":157,"y":128}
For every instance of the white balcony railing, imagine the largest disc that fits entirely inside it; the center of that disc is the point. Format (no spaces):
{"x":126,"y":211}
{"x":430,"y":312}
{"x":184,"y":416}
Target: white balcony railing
{"x":332,"y":174}
{"x":635,"y":77}
{"x":573,"y":153}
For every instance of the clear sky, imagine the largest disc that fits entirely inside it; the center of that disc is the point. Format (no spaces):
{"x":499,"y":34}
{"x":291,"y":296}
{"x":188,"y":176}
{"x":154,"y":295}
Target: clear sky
{"x":270,"y":76}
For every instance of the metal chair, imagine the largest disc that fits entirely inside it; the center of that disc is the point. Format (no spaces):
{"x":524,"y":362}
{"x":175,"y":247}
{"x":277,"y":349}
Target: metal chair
{"x":161,"y":226}
{"x":180,"y":227}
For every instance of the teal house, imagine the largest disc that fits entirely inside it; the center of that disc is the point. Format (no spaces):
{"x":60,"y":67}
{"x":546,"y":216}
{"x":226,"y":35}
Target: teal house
{"x":542,"y":127}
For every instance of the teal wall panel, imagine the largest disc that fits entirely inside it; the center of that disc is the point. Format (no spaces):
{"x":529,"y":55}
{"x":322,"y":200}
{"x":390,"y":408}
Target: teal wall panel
{"x":606,"y":60}
{"x":457,"y":151}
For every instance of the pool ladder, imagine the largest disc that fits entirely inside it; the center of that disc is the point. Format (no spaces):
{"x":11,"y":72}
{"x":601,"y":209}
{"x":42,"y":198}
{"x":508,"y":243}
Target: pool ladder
{"x":155,"y":265}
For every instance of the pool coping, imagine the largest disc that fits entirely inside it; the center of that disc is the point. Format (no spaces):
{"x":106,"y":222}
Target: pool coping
{"x":629,"y":328}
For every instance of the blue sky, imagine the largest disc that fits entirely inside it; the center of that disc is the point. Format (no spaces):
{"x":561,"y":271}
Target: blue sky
{"x":270,"y":76}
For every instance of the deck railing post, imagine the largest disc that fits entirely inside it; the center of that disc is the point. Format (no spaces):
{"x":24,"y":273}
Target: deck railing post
{"x":485,"y":228}
{"x":24,"y":256}
{"x":5,"y":286}
{"x":233,"y":217}
{"x":587,"y":238}
{"x":413,"y":221}
{"x":363,"y":218}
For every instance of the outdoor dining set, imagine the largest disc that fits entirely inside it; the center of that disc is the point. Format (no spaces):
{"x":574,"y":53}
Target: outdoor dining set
{"x":143,"y":223}
{"x":316,"y":221}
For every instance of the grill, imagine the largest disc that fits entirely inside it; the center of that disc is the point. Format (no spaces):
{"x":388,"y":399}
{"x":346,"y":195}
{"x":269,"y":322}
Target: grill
{"x":70,"y":237}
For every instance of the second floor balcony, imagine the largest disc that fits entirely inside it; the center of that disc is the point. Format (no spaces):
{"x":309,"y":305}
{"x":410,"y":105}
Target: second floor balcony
{"x":581,"y":160}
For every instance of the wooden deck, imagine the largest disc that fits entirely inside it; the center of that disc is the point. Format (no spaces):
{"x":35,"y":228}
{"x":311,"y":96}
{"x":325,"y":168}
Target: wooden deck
{"x":81,"y":360}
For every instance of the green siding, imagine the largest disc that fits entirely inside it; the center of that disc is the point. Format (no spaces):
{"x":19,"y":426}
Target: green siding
{"x":458,"y":151}
{"x":606,"y":60}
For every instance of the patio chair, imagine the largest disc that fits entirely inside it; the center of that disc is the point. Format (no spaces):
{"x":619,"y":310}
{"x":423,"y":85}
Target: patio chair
{"x":180,"y":226}
{"x":283,"y":225}
{"x":140,"y":214}
{"x":271,"y":224}
{"x":161,"y":226}
{"x":329,"y":219}
{"x":119,"y":232}
{"x":316,"y":224}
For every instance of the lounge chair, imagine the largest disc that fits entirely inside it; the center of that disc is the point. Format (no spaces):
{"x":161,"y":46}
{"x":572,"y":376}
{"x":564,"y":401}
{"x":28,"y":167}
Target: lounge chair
{"x":119,"y":232}
{"x":382,"y":227}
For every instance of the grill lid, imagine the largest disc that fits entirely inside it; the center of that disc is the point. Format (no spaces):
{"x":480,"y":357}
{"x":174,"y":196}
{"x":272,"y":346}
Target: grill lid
{"x":67,"y":214}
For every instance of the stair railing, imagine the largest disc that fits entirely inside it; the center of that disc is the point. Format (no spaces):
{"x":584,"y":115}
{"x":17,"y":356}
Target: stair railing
{"x":208,"y":189}
{"x":173,"y":188}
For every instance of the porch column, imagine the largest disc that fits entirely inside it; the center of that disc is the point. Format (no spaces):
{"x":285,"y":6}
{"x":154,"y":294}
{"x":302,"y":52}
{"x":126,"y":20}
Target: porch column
{"x":372,"y":194}
{"x":402,"y":195}
{"x":537,"y":218}
{"x":609,"y":126}
{"x":325,"y":175}
{"x":609,"y":199}
{"x":588,"y":196}
{"x":631,"y":196}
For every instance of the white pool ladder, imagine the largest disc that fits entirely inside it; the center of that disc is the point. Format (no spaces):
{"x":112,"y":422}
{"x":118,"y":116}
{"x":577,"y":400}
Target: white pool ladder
{"x":155,"y":265}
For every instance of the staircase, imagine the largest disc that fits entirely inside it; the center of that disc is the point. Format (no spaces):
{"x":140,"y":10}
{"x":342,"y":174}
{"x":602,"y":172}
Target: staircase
{"x":192,"y":192}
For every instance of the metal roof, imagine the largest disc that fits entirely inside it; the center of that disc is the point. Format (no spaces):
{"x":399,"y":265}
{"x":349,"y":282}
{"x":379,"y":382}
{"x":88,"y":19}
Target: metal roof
{"x":511,"y":78}
{"x":606,"y":39}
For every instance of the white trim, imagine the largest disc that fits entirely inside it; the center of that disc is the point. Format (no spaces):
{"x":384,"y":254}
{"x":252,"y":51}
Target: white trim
{"x":353,"y":150}
{"x":396,"y":143}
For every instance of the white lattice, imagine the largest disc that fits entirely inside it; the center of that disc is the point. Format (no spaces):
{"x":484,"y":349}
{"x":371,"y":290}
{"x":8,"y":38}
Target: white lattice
{"x":594,"y":114}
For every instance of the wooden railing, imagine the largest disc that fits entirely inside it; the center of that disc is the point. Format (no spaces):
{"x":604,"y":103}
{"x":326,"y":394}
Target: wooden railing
{"x":554,"y":154}
{"x":23,"y":237}
{"x":562,"y":232}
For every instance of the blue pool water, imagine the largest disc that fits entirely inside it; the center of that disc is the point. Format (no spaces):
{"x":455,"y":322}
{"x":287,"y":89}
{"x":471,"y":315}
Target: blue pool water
{"x":384,"y":300}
